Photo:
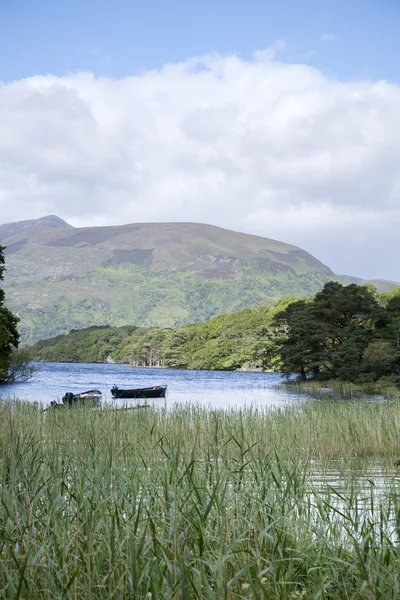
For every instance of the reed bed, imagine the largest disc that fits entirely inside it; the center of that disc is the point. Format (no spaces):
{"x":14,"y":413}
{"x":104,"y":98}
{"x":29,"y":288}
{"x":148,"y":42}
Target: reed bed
{"x":196,"y":504}
{"x":342,"y":390}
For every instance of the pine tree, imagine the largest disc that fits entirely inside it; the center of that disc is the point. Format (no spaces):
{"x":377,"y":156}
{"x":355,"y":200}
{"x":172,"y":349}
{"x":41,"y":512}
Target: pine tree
{"x":327,"y":336}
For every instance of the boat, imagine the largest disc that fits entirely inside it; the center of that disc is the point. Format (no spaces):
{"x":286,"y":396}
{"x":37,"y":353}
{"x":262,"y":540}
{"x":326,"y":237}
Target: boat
{"x":157,"y":391}
{"x":90,"y":397}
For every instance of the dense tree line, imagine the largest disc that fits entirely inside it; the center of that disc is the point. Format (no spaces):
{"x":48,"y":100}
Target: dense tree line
{"x":349,"y":333}
{"x":345,"y":332}
{"x":243,"y":339}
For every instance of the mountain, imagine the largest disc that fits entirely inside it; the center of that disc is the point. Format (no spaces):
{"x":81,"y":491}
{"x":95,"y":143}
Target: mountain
{"x":61,"y":277}
{"x":51,"y":221}
{"x":381,"y":285}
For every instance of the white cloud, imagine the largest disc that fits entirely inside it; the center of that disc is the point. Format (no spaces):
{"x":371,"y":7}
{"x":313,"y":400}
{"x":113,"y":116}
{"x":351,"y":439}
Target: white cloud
{"x":259,"y":146}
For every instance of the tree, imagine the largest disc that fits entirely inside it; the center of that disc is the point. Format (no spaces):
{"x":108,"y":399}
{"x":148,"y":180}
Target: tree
{"x":327,"y":336}
{"x":346,"y":315}
{"x":377,"y":358}
{"x":9,"y":337}
{"x":387,"y":336}
{"x":298,"y":339}
{"x":20,"y":368}
{"x":390,"y":322}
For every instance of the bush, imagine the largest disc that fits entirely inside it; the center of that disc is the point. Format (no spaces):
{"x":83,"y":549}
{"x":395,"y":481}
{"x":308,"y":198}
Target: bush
{"x":19,"y":368}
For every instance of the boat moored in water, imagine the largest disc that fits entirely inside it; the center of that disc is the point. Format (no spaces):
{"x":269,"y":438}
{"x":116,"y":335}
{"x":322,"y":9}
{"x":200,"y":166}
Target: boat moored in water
{"x":90,"y":398}
{"x":157,"y":391}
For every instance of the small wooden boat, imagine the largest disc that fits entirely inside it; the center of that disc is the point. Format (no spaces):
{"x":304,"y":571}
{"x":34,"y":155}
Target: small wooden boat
{"x":91,"y":397}
{"x":158,"y":391}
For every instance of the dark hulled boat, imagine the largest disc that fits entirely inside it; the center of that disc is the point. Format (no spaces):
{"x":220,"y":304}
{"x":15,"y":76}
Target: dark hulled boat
{"x":158,"y":391}
{"x":90,"y":397}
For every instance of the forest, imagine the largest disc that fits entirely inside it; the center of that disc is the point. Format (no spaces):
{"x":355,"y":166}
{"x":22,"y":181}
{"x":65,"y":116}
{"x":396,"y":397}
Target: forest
{"x":348,"y":333}
{"x":242,"y":339}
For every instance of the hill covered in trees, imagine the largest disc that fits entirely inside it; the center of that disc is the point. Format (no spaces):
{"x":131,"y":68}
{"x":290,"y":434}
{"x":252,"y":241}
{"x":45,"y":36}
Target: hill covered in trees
{"x":242,"y":339}
{"x":349,"y":333}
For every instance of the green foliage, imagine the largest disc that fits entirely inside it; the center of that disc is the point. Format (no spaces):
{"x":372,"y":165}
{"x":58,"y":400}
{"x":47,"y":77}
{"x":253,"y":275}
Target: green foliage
{"x":9,"y":337}
{"x":20,"y":368}
{"x":150,"y":276}
{"x":91,"y":345}
{"x":133,"y":295}
{"x":243,"y":339}
{"x":344,"y":333}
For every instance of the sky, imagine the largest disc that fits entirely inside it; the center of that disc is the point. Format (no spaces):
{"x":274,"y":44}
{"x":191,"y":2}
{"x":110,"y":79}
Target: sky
{"x":280,"y":119}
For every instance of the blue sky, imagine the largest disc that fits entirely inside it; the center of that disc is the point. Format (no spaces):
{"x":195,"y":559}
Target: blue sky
{"x":123,"y":37}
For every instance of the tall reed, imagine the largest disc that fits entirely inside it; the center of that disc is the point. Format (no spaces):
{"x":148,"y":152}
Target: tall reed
{"x":189,"y":503}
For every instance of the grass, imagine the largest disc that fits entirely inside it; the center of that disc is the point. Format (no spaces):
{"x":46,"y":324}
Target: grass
{"x":195,"y":504}
{"x":345,"y":390}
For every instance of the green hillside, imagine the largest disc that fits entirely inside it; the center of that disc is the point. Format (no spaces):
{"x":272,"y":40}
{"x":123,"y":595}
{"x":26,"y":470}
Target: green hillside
{"x":149,"y":274}
{"x":348,"y":333}
{"x":242,"y":339}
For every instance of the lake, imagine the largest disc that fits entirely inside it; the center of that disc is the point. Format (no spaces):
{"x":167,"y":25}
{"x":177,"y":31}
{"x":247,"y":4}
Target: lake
{"x":215,"y":389}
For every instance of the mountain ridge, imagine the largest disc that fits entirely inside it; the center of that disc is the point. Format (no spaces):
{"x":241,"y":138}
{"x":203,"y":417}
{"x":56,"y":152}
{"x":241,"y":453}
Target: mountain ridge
{"x":49,"y":221}
{"x":61,"y":277}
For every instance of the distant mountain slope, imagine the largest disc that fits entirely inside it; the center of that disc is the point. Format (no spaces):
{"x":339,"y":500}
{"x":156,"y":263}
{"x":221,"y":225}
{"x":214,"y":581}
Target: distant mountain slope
{"x":51,"y":221}
{"x":382,"y":285}
{"x":61,"y":277}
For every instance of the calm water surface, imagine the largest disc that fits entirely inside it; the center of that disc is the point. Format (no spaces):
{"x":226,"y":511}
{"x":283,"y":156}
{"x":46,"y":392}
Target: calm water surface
{"x":215,"y":389}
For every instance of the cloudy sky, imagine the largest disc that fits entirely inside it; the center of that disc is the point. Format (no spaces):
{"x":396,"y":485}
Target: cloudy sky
{"x":280,"y":119}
